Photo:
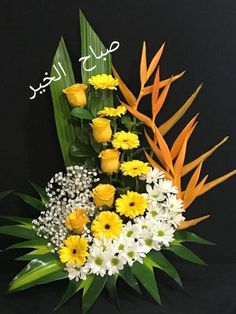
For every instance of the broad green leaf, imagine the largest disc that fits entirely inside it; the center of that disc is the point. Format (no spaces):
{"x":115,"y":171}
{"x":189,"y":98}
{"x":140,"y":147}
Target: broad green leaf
{"x":65,"y":129}
{"x":127,"y":275}
{"x":111,"y":288}
{"x":41,"y":192}
{"x":82,"y":113}
{"x":160,"y":261}
{"x":32,"y":201}
{"x":20,"y":231}
{"x":91,"y":294}
{"x":35,"y":254}
{"x":21,"y":220}
{"x":34,"y":244}
{"x":82,"y":150}
{"x":5,"y":193}
{"x":185,"y":253}
{"x":186,"y":236}
{"x":144,"y":273}
{"x":37,"y":272}
{"x":98,"y":99}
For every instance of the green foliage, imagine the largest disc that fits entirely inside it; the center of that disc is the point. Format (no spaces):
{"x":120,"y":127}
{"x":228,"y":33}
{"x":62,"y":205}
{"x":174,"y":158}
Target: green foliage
{"x":185,"y":253}
{"x":41,"y":192}
{"x":82,"y":113}
{"x":5,"y":194}
{"x":186,"y":236}
{"x":32,"y":201}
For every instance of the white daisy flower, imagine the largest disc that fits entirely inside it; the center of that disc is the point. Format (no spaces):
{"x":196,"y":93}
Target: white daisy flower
{"x":154,"y":193}
{"x":97,"y":261}
{"x":133,"y":254}
{"x":153,"y":175}
{"x":130,"y":230}
{"x":166,"y":186}
{"x":163,"y":233}
{"x":174,"y":204}
{"x":115,"y":263}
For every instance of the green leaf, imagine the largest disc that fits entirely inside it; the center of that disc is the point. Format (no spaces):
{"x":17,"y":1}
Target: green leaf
{"x":36,"y":254}
{"x":111,"y":288}
{"x":72,"y":288}
{"x":91,"y":293}
{"x":185,"y":253}
{"x":32,"y":201}
{"x":37,"y":272}
{"x":82,"y":113}
{"x":41,"y":192}
{"x":82,"y":150}
{"x":20,"y":231}
{"x":127,"y":122}
{"x":160,"y":261}
{"x":98,"y":99}
{"x":144,"y":273}
{"x":186,"y":236}
{"x":21,"y":220}
{"x":34,"y":244}
{"x":65,"y":129}
{"x":5,"y":193}
{"x":127,"y":275}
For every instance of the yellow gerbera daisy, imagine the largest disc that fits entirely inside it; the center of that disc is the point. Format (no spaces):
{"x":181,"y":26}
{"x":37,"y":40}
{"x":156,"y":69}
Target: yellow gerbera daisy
{"x":125,"y":140}
{"x":107,"y":224}
{"x":131,"y":204}
{"x":112,"y":112}
{"x":103,"y":81}
{"x":134,"y":168}
{"x":74,"y":251}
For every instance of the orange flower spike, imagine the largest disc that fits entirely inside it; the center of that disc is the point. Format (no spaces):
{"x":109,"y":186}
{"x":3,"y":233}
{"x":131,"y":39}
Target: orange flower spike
{"x":166,"y":126}
{"x":154,"y":164}
{"x":155,"y":61}
{"x":189,"y":223}
{"x":156,"y":88}
{"x":215,"y":182}
{"x":148,"y":89}
{"x":143,"y":66}
{"x":189,"y":128}
{"x":154,"y":148}
{"x":157,"y":105}
{"x":190,"y":166}
{"x":128,"y":95}
{"x":140,"y":116}
{"x":195,"y":193}
{"x":164,"y":149}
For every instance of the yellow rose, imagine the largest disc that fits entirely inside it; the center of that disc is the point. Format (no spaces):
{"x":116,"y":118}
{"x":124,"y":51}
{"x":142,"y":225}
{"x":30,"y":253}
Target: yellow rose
{"x":103,"y":194}
{"x":102,"y":132}
{"x":76,"y":95}
{"x":110,"y":160}
{"x":76,"y":220}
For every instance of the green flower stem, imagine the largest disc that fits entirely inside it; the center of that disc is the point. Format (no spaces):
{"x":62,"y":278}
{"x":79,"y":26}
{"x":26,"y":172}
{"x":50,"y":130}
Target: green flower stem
{"x":122,"y":158}
{"x":136,"y":184}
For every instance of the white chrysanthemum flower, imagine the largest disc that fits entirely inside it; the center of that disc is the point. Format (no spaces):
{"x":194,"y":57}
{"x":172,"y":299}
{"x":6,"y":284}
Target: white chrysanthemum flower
{"x":175,"y":218}
{"x":153,"y":175}
{"x":147,"y":243}
{"x":76,"y":273}
{"x":97,"y":261}
{"x":133,"y":254}
{"x":115,"y":263}
{"x":142,"y":223}
{"x":130,"y":230}
{"x":174,"y":204}
{"x":121,"y":243}
{"x":163,"y":233}
{"x":166,"y":186}
{"x":154,"y":193}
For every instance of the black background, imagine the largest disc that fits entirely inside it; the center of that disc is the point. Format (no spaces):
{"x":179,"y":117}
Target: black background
{"x":200,"y":38}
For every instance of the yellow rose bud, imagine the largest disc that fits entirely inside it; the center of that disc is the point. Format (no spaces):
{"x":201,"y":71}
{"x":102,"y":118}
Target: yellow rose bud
{"x":110,"y":160}
{"x":103,"y":194}
{"x":76,"y":95}
{"x":76,"y":220}
{"x":102,"y":132}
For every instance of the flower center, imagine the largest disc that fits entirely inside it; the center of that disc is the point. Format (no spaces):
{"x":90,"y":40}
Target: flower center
{"x":114,"y":261}
{"x":98,"y":261}
{"x":131,"y":254}
{"x":107,"y":226}
{"x":148,"y":242}
{"x":161,"y":233}
{"x":74,"y":251}
{"x":131,"y":204}
{"x":130,"y":233}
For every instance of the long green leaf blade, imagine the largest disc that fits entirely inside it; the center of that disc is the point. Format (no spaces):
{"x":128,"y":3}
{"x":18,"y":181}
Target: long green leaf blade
{"x":127,"y":275}
{"x":186,"y":254}
{"x":144,"y":273}
{"x":37,"y":272}
{"x":5,"y":194}
{"x":32,"y":201}
{"x":111,"y":288}
{"x":19,"y":231}
{"x":65,"y":130}
{"x":29,"y":244}
{"x":91,"y":294}
{"x":186,"y":236}
{"x":21,"y":220}
{"x":41,"y":192}
{"x":160,"y":261}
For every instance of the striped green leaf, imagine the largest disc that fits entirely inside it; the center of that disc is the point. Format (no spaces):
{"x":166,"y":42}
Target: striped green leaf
{"x":127,"y":275}
{"x":21,"y":220}
{"x":37,"y":272}
{"x":32,"y":201}
{"x":29,"y":244}
{"x":20,"y":231}
{"x":111,"y":288}
{"x":65,"y":130}
{"x":5,"y":193}
{"x":41,"y":192}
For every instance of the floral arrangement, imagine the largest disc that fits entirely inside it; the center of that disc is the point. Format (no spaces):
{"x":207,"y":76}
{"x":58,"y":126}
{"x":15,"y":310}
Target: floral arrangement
{"x":120,"y":202}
